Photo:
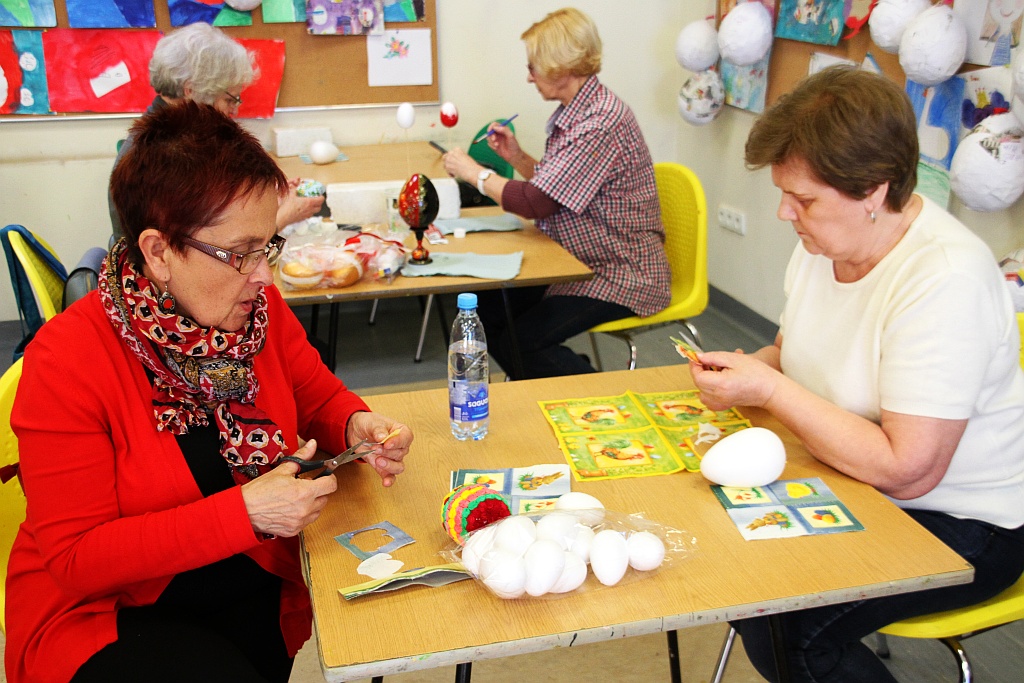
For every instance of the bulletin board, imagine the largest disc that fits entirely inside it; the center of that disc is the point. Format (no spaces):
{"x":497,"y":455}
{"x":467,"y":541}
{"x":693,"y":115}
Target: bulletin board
{"x":319,"y":70}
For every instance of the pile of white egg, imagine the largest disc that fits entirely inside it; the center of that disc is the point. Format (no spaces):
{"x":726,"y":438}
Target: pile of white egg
{"x":518,"y":556}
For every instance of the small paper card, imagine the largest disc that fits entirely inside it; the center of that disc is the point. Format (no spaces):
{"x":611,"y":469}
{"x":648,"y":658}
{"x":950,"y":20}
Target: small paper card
{"x":527,"y":489}
{"x":794,"y":507}
{"x":438,"y":575}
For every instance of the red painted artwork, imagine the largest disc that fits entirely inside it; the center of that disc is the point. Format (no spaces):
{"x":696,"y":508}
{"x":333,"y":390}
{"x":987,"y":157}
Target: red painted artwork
{"x":260,"y":98}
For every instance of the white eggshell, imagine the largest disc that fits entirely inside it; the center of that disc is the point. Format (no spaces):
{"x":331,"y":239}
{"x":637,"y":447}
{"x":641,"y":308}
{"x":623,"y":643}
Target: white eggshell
{"x":560,"y":527}
{"x":574,"y":500}
{"x":933,"y":45}
{"x":745,"y":34}
{"x":544,"y":562}
{"x":515,"y":534}
{"x":750,"y":457}
{"x":987,"y":171}
{"x":697,"y":46}
{"x":609,"y":556}
{"x":582,"y":543}
{"x":646,"y":551}
{"x":574,"y":573}
{"x":890,"y":18}
{"x":476,"y":547}
{"x":504,"y":574}
{"x":323,"y":152}
{"x":406,"y":115}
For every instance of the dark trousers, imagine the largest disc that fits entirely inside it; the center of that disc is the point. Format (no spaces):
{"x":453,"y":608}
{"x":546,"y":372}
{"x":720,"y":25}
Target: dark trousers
{"x":542,"y":325}
{"x":824,"y":642}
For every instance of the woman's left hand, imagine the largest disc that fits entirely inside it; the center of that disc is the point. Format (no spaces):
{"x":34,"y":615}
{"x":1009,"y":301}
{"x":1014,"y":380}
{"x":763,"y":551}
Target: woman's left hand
{"x":733,"y":379}
{"x":461,"y":166}
{"x":293,"y":208}
{"x":387,"y":458}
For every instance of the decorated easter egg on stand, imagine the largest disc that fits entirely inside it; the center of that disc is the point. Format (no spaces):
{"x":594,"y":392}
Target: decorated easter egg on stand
{"x":449,"y":115}
{"x":418,"y":205}
{"x":470,"y":507}
{"x":701,"y":98}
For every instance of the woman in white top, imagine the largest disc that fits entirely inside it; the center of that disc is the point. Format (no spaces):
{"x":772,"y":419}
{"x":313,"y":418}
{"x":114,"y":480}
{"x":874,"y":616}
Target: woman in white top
{"x":896,"y":360}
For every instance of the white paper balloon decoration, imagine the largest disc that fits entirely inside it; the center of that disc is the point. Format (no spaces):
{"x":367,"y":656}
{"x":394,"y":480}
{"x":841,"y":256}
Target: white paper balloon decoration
{"x":697,"y":46}
{"x":701,"y":98}
{"x":987,"y":172}
{"x":243,"y":5}
{"x":745,"y":34}
{"x":890,"y":18}
{"x":933,"y":46}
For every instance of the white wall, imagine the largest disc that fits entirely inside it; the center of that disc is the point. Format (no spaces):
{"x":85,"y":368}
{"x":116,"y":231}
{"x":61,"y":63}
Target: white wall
{"x":53,"y":174}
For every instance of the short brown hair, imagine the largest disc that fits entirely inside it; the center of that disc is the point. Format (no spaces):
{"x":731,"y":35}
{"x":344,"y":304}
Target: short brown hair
{"x":854,"y":129}
{"x":562,"y":43}
{"x":187,"y":164}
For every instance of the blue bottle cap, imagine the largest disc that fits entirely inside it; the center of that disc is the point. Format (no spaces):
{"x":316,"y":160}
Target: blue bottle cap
{"x":467,"y":301}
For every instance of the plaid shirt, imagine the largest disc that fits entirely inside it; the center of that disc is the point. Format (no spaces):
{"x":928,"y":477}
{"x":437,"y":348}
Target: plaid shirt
{"x":596,"y":165}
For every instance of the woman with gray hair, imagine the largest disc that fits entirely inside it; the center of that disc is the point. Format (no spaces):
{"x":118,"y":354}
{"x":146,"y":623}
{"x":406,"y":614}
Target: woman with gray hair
{"x":202,"y":64}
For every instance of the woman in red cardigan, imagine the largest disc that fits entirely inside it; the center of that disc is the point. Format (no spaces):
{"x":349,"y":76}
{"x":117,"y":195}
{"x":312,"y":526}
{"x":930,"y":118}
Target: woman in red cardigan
{"x":160,"y":539}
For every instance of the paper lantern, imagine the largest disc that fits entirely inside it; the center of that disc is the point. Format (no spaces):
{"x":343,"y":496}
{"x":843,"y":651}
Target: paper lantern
{"x":933,"y":45}
{"x":745,"y":34}
{"x":697,"y":46}
{"x":987,"y":171}
{"x":890,"y":18}
{"x":243,"y":5}
{"x":701,"y":98}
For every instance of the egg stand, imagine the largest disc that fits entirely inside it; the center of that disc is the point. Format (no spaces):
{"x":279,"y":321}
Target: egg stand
{"x":420,"y":255}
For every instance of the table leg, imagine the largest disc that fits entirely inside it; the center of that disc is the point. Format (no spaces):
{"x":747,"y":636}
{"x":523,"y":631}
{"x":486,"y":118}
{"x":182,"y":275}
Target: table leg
{"x":332,"y":336}
{"x":517,"y":360}
{"x":463,"y":672}
{"x":314,"y":319}
{"x":673,"y":657}
{"x":377,"y":679}
{"x":778,"y":633}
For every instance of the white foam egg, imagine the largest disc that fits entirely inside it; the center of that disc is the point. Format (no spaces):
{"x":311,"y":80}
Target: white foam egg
{"x":515,"y":534}
{"x":560,"y":527}
{"x":575,"y":500}
{"x":582,"y":543}
{"x":750,"y":457}
{"x":479,"y":542}
{"x":646,"y":551}
{"x":609,"y":556}
{"x":504,"y":574}
{"x":544,"y":562}
{"x":323,"y":152}
{"x":406,"y":115}
{"x":574,"y":573}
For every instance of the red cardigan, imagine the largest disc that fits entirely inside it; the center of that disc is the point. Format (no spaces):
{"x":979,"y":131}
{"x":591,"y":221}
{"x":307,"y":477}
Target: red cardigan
{"x":113,"y":510}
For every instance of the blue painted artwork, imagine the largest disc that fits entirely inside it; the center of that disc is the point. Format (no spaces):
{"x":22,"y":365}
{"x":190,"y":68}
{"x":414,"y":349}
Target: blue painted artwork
{"x":111,"y":14}
{"x":22,"y":73}
{"x":284,"y":11}
{"x":937,"y":109}
{"x":185,"y":12}
{"x":36,"y":13}
{"x":811,"y":21}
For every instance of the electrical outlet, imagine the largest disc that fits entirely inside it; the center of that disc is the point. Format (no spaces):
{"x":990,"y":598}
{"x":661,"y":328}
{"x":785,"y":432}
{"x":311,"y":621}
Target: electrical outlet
{"x":732,"y":219}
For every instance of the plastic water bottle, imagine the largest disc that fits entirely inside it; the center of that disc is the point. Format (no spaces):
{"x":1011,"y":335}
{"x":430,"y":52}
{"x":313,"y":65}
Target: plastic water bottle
{"x":468,"y":373}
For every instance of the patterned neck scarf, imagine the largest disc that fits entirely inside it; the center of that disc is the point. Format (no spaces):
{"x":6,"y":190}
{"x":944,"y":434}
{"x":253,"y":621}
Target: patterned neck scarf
{"x":197,"y":370}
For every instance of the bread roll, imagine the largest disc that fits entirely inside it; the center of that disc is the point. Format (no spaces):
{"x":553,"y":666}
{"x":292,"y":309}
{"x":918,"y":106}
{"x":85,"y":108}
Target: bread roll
{"x":344,"y":275}
{"x":298,"y":269}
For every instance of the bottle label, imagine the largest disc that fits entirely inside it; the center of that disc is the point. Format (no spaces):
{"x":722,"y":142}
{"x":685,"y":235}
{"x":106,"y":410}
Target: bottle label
{"x":467,"y":400}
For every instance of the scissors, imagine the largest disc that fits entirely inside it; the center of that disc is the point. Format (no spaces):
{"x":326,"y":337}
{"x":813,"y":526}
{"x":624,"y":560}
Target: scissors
{"x":329,"y":465}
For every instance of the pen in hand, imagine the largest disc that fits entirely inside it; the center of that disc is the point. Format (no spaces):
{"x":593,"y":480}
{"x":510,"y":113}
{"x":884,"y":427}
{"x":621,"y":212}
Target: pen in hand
{"x":491,"y":131}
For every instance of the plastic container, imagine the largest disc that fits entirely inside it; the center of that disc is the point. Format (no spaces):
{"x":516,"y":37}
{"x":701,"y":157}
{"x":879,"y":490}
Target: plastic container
{"x":468,"y":373}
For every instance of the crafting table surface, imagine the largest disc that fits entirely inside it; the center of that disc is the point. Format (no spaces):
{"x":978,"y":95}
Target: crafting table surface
{"x":727,"y":577}
{"x":370,"y":163}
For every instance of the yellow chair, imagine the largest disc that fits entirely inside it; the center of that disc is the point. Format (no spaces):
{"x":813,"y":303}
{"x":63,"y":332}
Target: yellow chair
{"x":12,"y":498}
{"x":47,"y":284}
{"x":685,"y":215}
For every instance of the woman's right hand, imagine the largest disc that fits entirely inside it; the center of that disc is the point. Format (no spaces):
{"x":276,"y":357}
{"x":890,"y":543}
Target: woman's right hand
{"x":281,"y":505}
{"x":733,"y":379}
{"x":503,"y":141}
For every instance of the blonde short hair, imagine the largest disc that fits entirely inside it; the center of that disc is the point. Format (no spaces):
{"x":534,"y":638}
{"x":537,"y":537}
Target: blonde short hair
{"x":203,"y":58}
{"x":564,"y":42}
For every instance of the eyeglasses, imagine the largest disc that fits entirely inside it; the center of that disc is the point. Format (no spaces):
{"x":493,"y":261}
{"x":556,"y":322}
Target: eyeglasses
{"x":243,"y":263}
{"x":530,"y":68}
{"x":234,"y":98}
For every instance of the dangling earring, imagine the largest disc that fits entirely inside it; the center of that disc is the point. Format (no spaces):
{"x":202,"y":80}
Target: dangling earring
{"x":165,"y":302}
{"x":872,"y":216}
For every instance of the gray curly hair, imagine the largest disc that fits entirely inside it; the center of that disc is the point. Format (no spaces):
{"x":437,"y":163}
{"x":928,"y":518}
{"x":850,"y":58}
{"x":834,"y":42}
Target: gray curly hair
{"x":203,"y":58}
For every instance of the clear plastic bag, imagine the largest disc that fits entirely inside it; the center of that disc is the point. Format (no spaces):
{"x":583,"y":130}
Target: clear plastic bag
{"x":553,"y":552}
{"x":338,"y":259}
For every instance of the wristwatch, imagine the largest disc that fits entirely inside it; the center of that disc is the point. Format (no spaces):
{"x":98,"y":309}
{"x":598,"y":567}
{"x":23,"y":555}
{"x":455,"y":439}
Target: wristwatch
{"x":481,"y":177}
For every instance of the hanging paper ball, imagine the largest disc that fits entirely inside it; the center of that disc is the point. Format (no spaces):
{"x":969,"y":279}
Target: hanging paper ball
{"x":890,"y":18}
{"x":471,"y":507}
{"x":745,"y":34}
{"x":933,"y":46}
{"x":406,"y":115}
{"x":701,"y":98}
{"x":987,"y":171}
{"x":418,"y":202}
{"x":449,"y":115}
{"x":697,"y":46}
{"x":243,"y":5}
{"x":1018,"y":78}
{"x":323,"y":152}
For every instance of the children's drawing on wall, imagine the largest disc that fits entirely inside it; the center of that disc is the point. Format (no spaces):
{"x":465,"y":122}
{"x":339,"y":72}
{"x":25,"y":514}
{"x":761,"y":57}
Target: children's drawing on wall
{"x":27,"y":13}
{"x":284,"y":11}
{"x":986,"y":92}
{"x":993,"y":29}
{"x":185,"y":12}
{"x":345,"y":17}
{"x":811,"y":21}
{"x":260,"y":97}
{"x":111,"y":14}
{"x":22,"y":73}
{"x":400,"y":58}
{"x":746,"y":86}
{"x":937,"y":109}
{"x":403,"y":10}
